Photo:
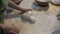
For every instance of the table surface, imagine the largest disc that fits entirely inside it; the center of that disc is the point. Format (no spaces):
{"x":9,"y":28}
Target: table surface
{"x":45,"y":21}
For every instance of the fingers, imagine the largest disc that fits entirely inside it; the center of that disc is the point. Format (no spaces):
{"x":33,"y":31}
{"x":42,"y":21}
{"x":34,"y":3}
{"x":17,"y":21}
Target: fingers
{"x":26,"y":10}
{"x":29,"y":9}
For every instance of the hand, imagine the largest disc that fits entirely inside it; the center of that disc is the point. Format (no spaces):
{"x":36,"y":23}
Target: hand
{"x":25,"y":10}
{"x":2,"y":26}
{"x":11,"y":30}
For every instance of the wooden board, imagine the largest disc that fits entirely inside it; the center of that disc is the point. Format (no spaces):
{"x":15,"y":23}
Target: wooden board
{"x":45,"y":21}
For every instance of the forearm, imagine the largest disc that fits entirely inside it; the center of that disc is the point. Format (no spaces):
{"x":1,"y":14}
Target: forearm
{"x":13,"y":5}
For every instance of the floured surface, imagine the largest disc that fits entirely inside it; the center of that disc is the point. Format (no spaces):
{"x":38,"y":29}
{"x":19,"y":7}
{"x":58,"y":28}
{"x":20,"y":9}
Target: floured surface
{"x":45,"y":21}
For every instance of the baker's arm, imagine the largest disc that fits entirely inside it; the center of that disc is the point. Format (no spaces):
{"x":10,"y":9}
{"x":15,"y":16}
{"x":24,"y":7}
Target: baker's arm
{"x":13,"y":5}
